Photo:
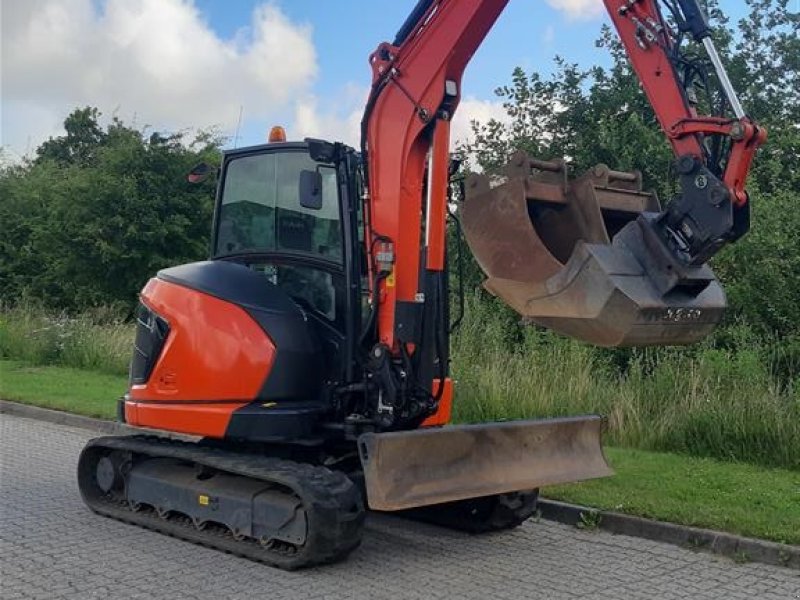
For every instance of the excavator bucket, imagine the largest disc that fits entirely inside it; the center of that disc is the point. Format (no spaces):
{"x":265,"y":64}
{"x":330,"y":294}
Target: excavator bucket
{"x":408,"y":469}
{"x":581,"y":257}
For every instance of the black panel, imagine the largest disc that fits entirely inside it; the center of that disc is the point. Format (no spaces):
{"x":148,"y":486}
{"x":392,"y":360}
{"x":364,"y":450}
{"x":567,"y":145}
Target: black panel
{"x":275,"y":421}
{"x":151,"y":333}
{"x":232,"y":282}
{"x":297,"y":372}
{"x":432,"y":353}
{"x":408,"y":321}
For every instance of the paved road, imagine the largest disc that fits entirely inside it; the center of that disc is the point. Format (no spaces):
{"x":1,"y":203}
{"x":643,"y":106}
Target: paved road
{"x":51,"y":546}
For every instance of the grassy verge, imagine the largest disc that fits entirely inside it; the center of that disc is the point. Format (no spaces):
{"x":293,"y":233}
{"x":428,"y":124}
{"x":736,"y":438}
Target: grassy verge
{"x":62,"y":388}
{"x":733,"y":497}
{"x":736,"y":400}
{"x":98,"y":340}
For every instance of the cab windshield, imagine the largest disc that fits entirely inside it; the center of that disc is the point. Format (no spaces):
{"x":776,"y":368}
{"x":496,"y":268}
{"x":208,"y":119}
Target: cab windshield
{"x":261,"y":212}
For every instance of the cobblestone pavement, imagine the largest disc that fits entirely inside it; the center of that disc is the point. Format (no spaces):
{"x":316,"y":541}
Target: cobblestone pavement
{"x":51,"y":546}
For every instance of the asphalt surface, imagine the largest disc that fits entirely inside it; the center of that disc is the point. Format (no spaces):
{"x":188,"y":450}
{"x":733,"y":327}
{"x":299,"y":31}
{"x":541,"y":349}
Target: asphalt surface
{"x":51,"y":546}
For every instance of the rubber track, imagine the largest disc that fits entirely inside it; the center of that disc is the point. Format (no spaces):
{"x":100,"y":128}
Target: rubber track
{"x":333,"y":504}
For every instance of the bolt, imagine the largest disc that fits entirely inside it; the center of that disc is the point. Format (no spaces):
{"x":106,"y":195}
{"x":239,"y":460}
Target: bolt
{"x":701,"y":181}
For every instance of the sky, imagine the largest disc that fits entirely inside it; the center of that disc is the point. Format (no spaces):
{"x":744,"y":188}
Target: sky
{"x":242,"y":66}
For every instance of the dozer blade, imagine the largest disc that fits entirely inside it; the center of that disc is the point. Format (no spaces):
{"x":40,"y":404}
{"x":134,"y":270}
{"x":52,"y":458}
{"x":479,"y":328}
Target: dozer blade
{"x":407,"y":469}
{"x":582,"y":258}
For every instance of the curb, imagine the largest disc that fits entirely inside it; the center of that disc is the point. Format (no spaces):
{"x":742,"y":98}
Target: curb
{"x":58,"y":417}
{"x":727,"y":544}
{"x":717,"y":542}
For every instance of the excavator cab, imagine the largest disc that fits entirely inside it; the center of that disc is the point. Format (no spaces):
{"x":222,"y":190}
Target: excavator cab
{"x":581,"y":256}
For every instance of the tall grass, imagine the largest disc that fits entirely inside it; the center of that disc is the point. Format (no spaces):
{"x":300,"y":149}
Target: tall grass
{"x":98,"y":340}
{"x":738,"y":400}
{"x":723,"y":403}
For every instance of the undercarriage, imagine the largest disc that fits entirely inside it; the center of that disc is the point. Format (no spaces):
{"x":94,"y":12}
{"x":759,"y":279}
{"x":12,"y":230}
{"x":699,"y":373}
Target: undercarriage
{"x":280,"y":512}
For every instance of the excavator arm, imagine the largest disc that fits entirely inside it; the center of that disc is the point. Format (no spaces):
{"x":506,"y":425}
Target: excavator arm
{"x":595,"y":258}
{"x":696,"y":232}
{"x":416,"y":87}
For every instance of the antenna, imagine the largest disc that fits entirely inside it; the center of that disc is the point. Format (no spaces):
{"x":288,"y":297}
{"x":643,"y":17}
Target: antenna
{"x":238,"y":125}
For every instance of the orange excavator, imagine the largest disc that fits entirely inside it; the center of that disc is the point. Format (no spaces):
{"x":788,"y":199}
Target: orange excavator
{"x":308,"y":356}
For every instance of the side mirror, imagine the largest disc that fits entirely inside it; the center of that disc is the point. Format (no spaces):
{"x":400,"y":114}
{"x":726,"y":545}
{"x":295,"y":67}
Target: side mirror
{"x":311,"y":189}
{"x":200,"y":173}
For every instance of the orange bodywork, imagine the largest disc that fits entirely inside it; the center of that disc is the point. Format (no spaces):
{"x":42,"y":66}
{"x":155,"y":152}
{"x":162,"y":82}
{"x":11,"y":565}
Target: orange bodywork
{"x":214,"y":361}
{"x":207,"y":420}
{"x":398,"y":138}
{"x":678,"y":119}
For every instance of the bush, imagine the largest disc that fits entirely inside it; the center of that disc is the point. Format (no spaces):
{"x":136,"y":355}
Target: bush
{"x":98,"y":212}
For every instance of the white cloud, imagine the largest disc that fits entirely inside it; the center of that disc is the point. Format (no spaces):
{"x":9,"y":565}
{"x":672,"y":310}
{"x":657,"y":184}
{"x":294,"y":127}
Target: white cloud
{"x":472,"y":109}
{"x":339,"y":120}
{"x":339,"y":117}
{"x":578,"y":9}
{"x":157,"y":61}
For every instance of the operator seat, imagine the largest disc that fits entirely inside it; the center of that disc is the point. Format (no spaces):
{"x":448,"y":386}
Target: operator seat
{"x":295,"y":230}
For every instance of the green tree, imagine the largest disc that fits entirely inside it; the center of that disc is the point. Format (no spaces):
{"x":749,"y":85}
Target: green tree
{"x":83,"y":138}
{"x":99,"y":211}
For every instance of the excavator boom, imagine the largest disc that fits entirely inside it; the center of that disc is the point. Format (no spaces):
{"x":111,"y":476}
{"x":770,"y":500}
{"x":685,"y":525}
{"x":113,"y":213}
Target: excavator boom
{"x":644,"y":284}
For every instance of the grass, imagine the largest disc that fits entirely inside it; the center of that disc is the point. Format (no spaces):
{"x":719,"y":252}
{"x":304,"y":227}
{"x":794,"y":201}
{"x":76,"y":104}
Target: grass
{"x":62,"y":388}
{"x":735,"y":398}
{"x":701,"y":492}
{"x":97,"y":340}
{"x":721,"y":402}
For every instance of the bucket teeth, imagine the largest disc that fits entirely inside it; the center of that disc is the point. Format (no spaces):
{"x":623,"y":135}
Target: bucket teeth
{"x":582,"y":257}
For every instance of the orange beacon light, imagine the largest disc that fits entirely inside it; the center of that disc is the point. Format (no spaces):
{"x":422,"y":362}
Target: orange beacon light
{"x":277,"y":134}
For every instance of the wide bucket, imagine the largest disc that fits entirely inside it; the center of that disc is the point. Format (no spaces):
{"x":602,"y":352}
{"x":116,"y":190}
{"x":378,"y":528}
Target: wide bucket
{"x":407,"y":469}
{"x":581,"y":256}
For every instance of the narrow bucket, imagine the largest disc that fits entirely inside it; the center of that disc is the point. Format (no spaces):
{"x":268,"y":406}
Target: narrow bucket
{"x":407,"y":469}
{"x":581,"y":257}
